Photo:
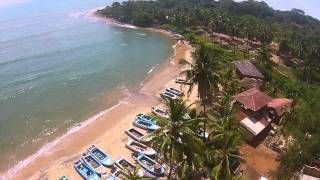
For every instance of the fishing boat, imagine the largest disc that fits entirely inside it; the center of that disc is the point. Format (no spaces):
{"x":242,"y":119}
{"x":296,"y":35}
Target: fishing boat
{"x":169,"y":95}
{"x":93,"y":163}
{"x":146,"y":118}
{"x":183,"y":81}
{"x":147,"y":125}
{"x":119,"y":174}
{"x":149,"y":164}
{"x":160,"y":112}
{"x":135,"y":134}
{"x":140,"y":148}
{"x":174,"y":91}
{"x":85,"y":171}
{"x":100,"y":156}
{"x":125,"y":164}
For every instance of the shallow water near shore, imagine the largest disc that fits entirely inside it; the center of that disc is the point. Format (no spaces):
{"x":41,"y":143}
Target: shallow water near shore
{"x":58,"y":68}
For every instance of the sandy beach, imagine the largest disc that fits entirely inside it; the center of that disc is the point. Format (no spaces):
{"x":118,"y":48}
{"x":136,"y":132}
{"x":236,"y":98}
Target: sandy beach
{"x":106,"y":130}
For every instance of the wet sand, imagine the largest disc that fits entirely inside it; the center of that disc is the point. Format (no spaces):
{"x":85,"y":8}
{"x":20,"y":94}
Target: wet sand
{"x":107,"y":131}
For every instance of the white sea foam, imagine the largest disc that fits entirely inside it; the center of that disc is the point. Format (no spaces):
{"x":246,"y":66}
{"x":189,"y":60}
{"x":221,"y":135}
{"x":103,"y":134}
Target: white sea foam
{"x":141,"y":34}
{"x":47,"y":147}
{"x":150,"y":71}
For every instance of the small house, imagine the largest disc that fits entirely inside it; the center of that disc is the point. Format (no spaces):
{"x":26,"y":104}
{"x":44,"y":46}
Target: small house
{"x":277,"y":107}
{"x":253,"y":100}
{"x":246,"y":69}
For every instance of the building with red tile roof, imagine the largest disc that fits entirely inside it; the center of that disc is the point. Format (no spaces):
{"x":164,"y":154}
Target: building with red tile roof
{"x":253,"y":99}
{"x":280,"y":105}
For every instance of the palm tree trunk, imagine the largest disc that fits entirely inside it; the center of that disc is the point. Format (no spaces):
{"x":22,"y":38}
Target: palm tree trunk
{"x":171,"y":165}
{"x":205,"y":122}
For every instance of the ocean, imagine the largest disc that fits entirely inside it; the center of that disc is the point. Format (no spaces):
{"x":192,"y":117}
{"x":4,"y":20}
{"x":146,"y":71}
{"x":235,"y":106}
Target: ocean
{"x":58,"y":68}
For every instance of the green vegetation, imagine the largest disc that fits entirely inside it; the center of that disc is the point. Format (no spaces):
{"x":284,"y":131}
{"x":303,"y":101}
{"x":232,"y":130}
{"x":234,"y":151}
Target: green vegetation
{"x":258,"y":25}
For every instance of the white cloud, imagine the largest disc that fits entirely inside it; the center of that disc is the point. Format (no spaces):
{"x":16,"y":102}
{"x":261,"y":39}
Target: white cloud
{"x":5,"y":3}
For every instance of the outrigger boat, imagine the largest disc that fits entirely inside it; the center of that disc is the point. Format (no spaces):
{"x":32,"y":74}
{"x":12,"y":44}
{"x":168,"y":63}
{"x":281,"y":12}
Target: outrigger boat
{"x":100,"y":156}
{"x":93,"y":163}
{"x":85,"y":171}
{"x":160,"y":112}
{"x":125,"y":164}
{"x":147,"y":125}
{"x":149,"y":164}
{"x":140,"y":148}
{"x":174,"y":91}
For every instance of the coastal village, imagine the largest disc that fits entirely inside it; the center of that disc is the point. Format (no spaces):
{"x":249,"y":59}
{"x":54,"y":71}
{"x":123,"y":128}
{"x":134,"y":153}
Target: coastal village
{"x":195,"y":116}
{"x":259,"y":114}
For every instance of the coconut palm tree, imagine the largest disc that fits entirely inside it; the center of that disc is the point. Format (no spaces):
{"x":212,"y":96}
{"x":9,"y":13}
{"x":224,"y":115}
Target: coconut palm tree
{"x":133,"y":175}
{"x":203,"y":73}
{"x":226,"y":153}
{"x":177,"y":137}
{"x":224,"y":142}
{"x":229,"y":83}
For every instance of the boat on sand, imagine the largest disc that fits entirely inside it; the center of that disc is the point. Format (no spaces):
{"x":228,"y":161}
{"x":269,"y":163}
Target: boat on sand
{"x":174,"y":91}
{"x":85,"y":171}
{"x":125,"y":164}
{"x":93,"y":163}
{"x":149,"y":164}
{"x":140,"y":148}
{"x":137,"y":135}
{"x":100,"y":156}
{"x":146,"y":118}
{"x":169,"y":95}
{"x":160,"y":112}
{"x":147,"y":125}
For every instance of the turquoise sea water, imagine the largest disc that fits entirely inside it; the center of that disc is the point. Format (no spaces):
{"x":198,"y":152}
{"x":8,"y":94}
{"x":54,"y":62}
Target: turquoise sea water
{"x":57,"y":68}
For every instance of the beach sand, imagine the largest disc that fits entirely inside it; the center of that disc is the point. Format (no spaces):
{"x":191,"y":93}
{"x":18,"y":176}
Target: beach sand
{"x":107,"y":131}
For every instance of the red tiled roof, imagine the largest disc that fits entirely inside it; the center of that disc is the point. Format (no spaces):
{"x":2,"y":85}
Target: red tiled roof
{"x":280,"y":104}
{"x":253,"y":99}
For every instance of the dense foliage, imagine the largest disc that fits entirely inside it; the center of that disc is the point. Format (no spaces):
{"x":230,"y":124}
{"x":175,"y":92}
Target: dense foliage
{"x":298,"y":36}
{"x":248,"y":19}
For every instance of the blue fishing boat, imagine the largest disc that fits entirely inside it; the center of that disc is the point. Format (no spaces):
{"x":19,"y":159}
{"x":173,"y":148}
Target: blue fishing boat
{"x":93,"y":163}
{"x":146,"y":118}
{"x":147,"y":125}
{"x":85,"y":171}
{"x":149,"y":164}
{"x":100,"y":156}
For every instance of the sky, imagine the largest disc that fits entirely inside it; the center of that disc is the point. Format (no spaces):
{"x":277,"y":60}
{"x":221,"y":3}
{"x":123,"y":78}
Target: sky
{"x":310,"y":7}
{"x":6,"y":3}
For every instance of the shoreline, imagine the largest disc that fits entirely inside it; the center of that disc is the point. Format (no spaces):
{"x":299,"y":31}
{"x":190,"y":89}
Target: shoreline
{"x":64,"y":150}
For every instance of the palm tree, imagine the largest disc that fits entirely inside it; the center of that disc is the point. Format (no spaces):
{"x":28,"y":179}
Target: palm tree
{"x":203,"y":73}
{"x":264,"y":54}
{"x":133,"y":175}
{"x":230,"y":83}
{"x":224,"y":141}
{"x":225,"y":153}
{"x":177,"y":137}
